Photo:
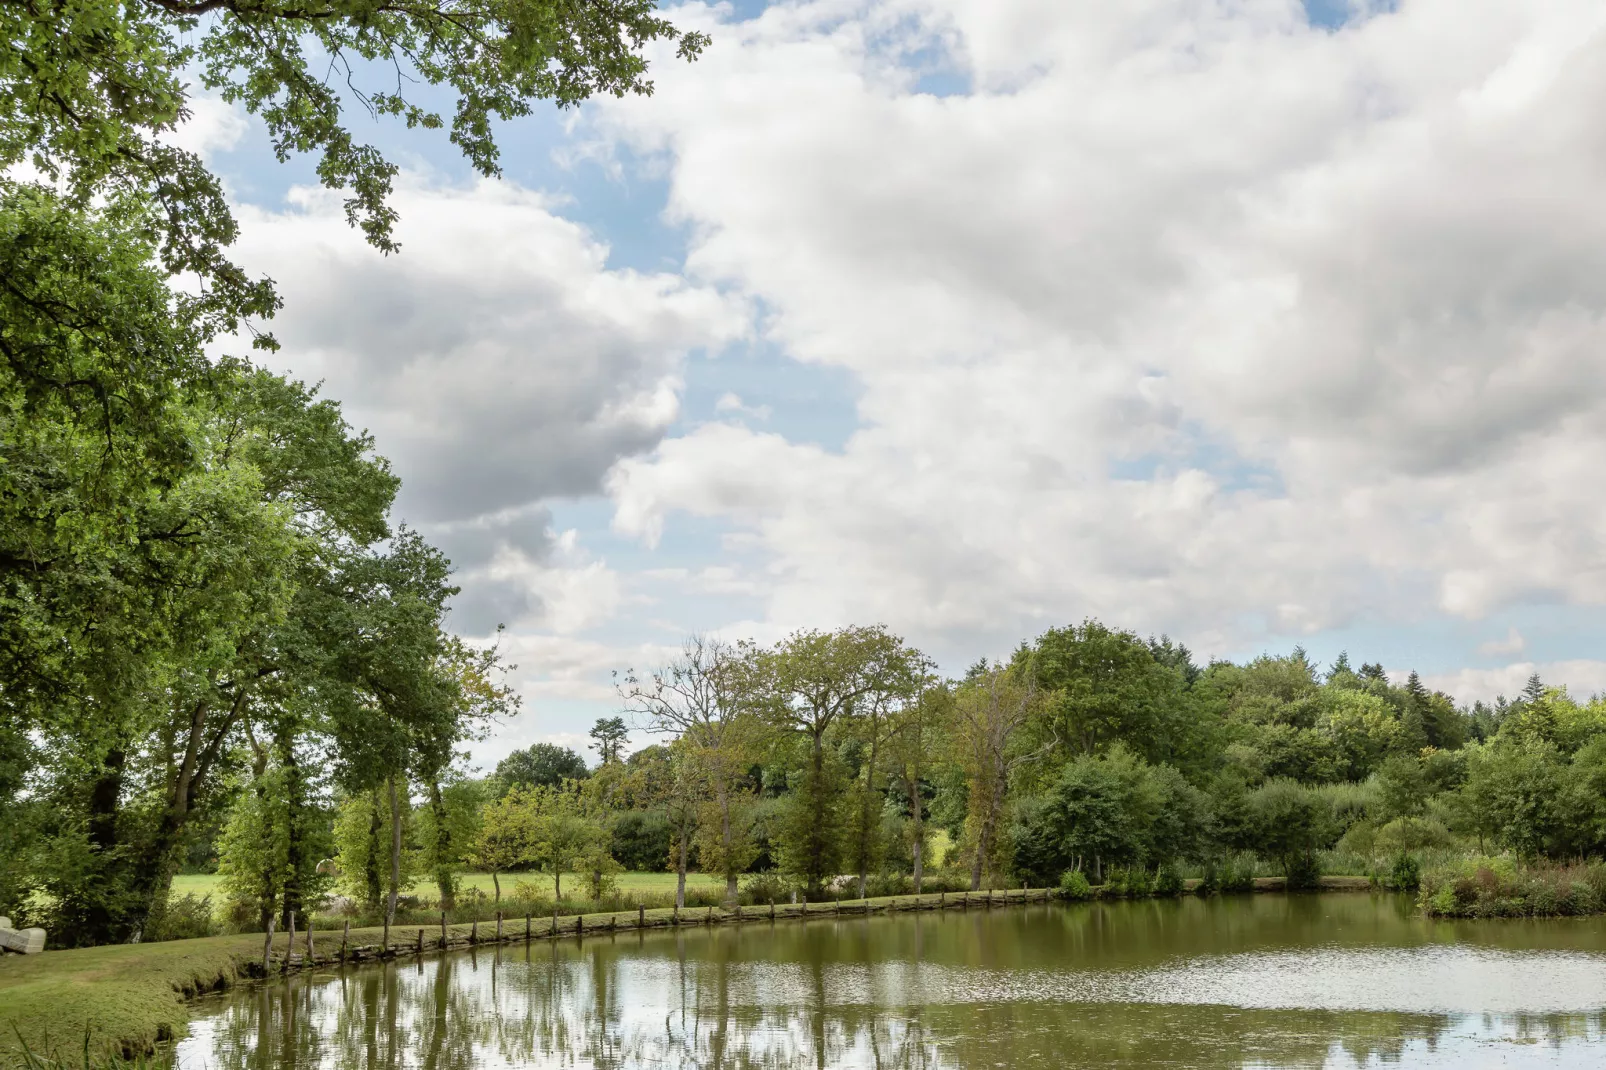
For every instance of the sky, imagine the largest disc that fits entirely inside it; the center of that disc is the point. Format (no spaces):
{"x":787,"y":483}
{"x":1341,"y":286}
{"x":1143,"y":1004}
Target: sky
{"x":1251,"y":322}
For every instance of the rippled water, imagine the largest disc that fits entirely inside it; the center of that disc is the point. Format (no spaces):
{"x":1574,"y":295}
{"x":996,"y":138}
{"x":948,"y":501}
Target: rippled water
{"x":1260,"y":981}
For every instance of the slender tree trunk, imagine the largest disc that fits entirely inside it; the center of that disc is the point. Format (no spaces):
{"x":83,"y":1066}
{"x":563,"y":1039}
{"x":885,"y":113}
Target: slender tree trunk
{"x":984,"y":839}
{"x":815,"y":878}
{"x":495,"y":883}
{"x":680,"y":865}
{"x":865,"y":812}
{"x":395,"y":851}
{"x":374,"y":876}
{"x":105,"y":800}
{"x":295,"y":824}
{"x":445,"y":879}
{"x":918,"y":831}
{"x":557,"y":883}
{"x":725,"y":838}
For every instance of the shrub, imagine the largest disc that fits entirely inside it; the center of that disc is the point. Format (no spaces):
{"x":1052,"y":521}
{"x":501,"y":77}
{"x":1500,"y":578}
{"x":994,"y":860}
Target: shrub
{"x":1410,"y":834}
{"x":1168,"y":881}
{"x":1209,"y":880}
{"x":1498,"y":888}
{"x":1074,"y":885}
{"x":760,"y":888}
{"x":1237,"y":875}
{"x":182,"y":917}
{"x":1303,"y":871}
{"x":1405,"y":874}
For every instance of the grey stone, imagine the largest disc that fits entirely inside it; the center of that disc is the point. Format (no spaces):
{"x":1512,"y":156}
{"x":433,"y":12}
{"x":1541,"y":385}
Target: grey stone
{"x":25,"y":941}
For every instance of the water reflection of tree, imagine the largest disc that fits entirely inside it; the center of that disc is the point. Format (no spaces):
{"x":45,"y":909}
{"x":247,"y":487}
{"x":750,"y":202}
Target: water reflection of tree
{"x":833,"y":995}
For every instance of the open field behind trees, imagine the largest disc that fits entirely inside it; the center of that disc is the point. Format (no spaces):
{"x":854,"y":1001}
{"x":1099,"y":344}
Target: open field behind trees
{"x":212,"y":884}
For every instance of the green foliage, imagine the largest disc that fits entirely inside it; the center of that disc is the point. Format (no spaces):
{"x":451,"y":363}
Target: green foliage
{"x":1483,"y":887}
{"x":1073,"y":885}
{"x":1292,"y":823}
{"x":541,"y":765}
{"x":1404,"y":874}
{"x":1168,"y":881}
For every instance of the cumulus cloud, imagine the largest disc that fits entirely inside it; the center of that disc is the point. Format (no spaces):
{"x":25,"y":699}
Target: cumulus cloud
{"x":1193,"y":316}
{"x":1582,"y":678}
{"x":499,"y":362}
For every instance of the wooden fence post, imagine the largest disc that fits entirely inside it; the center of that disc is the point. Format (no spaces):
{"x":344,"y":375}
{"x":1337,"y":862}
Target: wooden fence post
{"x":309,"y":941}
{"x":345,"y":937}
{"x":641,"y":915}
{"x":443,"y":930}
{"x":420,"y":940}
{"x":290,"y":944}
{"x":528,"y":919}
{"x":474,"y":930}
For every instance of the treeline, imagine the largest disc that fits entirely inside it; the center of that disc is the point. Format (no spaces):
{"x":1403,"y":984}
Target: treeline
{"x":831,"y":761}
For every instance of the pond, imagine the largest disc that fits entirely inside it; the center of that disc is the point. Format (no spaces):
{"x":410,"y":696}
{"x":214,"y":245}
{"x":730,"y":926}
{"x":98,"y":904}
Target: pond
{"x":1335,"y":980}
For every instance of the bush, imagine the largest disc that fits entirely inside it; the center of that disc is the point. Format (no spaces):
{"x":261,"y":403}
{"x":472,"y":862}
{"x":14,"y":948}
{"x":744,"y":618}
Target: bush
{"x":1303,"y":871}
{"x":1404,"y":875}
{"x":761,"y":888}
{"x":182,"y":917}
{"x":1209,"y":880}
{"x":1498,"y":888}
{"x":1074,"y":885}
{"x":1237,"y":875}
{"x":1133,"y":881}
{"x":1405,"y":834}
{"x":1168,"y":881}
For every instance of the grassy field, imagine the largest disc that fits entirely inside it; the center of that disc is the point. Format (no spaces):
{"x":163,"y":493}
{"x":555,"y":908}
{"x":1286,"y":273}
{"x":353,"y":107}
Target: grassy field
{"x":629,"y":883}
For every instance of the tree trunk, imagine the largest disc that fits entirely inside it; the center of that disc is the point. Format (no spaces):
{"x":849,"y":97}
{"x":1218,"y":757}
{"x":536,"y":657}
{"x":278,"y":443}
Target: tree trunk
{"x":680,"y":866}
{"x":495,"y":883}
{"x":725,"y":839}
{"x":374,"y":877}
{"x":557,"y":883}
{"x":395,"y":852}
{"x":445,"y":880}
{"x":984,"y":840}
{"x":105,"y":800}
{"x":918,"y":848}
{"x":865,"y":814}
{"x":815,"y":878}
{"x":295,"y":799}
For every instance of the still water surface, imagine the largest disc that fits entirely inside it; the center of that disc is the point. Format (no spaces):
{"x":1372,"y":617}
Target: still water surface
{"x":1258,"y":981}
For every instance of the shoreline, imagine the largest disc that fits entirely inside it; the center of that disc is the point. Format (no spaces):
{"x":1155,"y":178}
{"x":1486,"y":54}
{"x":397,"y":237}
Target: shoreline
{"x":130,"y":998}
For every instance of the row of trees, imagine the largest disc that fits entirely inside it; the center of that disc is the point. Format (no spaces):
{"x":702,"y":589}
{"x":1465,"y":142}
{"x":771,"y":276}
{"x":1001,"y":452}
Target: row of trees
{"x":833,"y":758}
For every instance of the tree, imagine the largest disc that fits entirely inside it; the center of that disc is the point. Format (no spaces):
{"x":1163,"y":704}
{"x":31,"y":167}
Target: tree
{"x":609,"y":734}
{"x":91,"y":88}
{"x":817,"y":679}
{"x":507,"y":837}
{"x":710,"y":697}
{"x":914,"y":740}
{"x":541,"y":765}
{"x":989,"y":713}
{"x":562,"y":835}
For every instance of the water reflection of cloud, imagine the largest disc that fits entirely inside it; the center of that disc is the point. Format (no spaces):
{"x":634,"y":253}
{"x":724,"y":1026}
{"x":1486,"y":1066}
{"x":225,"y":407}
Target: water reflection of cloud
{"x":704,"y":1001}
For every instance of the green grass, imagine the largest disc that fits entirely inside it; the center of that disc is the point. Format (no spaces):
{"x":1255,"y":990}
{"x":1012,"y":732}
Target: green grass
{"x":629,"y":884}
{"x":125,"y":996}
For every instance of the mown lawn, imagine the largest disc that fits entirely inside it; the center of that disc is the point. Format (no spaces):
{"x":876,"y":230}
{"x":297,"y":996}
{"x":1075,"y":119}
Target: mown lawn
{"x":629,"y":883}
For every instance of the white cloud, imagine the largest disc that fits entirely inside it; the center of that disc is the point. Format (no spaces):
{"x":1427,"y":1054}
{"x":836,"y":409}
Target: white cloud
{"x":1190,"y":316}
{"x":1582,"y":678}
{"x":499,"y":362}
{"x":1513,"y":643}
{"x":732,"y":403}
